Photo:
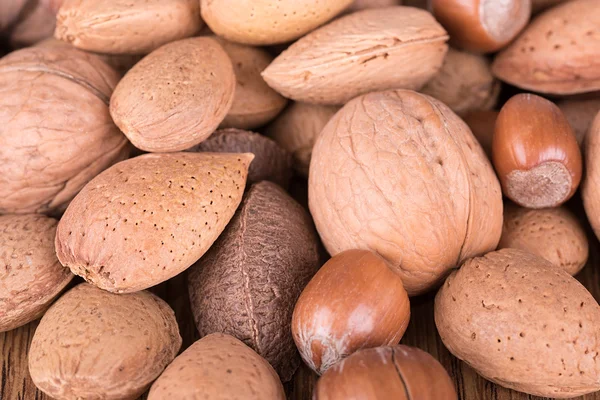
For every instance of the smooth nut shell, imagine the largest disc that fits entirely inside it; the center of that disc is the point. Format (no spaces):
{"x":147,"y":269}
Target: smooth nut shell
{"x":149,"y":218}
{"x":400,"y":174}
{"x":483,"y":124}
{"x":218,"y":366}
{"x":552,"y":233}
{"x":176,"y":96}
{"x":558,"y":52}
{"x":580,"y":114}
{"x":522,"y":323}
{"x":248,"y":282}
{"x":366,"y":51}
{"x":590,"y":191}
{"x":354,"y":301}
{"x":30,"y":274}
{"x":398,"y":372}
{"x":97,"y":345}
{"x":125,"y":26}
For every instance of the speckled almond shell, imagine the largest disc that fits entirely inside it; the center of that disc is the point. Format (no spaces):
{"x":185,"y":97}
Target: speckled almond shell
{"x":249,"y":281}
{"x":522,"y":323}
{"x":30,"y":274}
{"x":558,"y":53}
{"x":96,"y":345}
{"x":270,"y":163}
{"x":264,"y":22}
{"x":370,"y":50}
{"x":551,"y":233}
{"x":149,"y":218}
{"x":590,"y":189}
{"x":125,"y":26}
{"x":398,"y":173}
{"x":55,"y":130}
{"x":175,"y":97}
{"x":217,"y":367}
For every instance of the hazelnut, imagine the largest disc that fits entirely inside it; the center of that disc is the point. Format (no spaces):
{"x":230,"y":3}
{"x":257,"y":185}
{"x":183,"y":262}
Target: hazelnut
{"x":481,"y":25}
{"x":535,"y":153}
{"x":399,"y":372}
{"x":354,"y":301}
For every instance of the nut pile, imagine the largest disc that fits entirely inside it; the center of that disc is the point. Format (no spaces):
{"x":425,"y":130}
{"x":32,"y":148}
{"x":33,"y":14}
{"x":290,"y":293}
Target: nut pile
{"x":442,"y":145}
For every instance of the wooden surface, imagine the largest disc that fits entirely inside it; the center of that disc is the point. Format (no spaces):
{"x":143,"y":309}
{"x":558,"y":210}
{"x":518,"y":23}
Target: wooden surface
{"x":15,"y":383}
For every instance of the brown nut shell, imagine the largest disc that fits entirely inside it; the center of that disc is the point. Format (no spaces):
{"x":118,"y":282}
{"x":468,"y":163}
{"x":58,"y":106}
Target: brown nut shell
{"x":124,"y":26}
{"x":464,"y":83}
{"x":398,"y":173}
{"x":296,"y":130}
{"x":354,"y":301}
{"x":558,"y":52}
{"x":30,"y":275}
{"x":398,"y":372}
{"x":270,"y":163}
{"x":552,"y":233}
{"x":264,"y":22}
{"x":254,"y":102}
{"x":96,"y":345}
{"x":580,"y":113}
{"x":522,"y":323}
{"x":218,"y":366}
{"x":535,"y":152}
{"x":248,"y":282}
{"x":482,"y":26}
{"x":483,"y":124}
{"x":149,"y":218}
{"x":590,"y":190}
{"x":366,"y":51}
{"x":175,"y":97}
{"x":55,"y":130}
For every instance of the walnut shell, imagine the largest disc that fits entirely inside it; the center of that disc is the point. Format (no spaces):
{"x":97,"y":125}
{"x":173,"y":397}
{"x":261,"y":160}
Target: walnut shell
{"x":270,"y":163}
{"x":296,"y":130}
{"x":92,"y":344}
{"x":55,"y":130}
{"x":369,"y":50}
{"x":30,"y":275}
{"x":580,"y":114}
{"x":149,"y":218}
{"x":125,"y":26}
{"x":398,"y":173}
{"x":522,"y":323}
{"x":248,"y":282}
{"x":218,"y":366}
{"x":175,"y":97}
{"x":464,"y":83}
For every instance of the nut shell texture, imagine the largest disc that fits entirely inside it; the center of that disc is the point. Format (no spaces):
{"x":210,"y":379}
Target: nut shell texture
{"x":398,"y":173}
{"x":30,"y":274}
{"x":147,"y":219}
{"x":370,"y":50}
{"x":55,"y":130}
{"x":522,"y":323}
{"x":249,"y":281}
{"x":217,"y":367}
{"x":125,"y":26}
{"x":559,"y":52}
{"x":92,"y":344}
{"x":175,"y":97}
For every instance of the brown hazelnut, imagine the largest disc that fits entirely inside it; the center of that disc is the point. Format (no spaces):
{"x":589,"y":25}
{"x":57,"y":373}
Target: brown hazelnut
{"x":480,"y":25}
{"x":482,"y":124}
{"x":399,"y":372}
{"x":355,"y":301}
{"x":535,"y":153}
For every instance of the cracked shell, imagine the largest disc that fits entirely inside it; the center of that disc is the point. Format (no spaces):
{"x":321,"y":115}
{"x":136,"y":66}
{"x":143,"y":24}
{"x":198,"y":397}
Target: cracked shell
{"x":149,"y":218}
{"x":30,"y":275}
{"x":369,"y":50}
{"x":96,"y":345}
{"x":220,"y":367}
{"x":55,"y":130}
{"x":249,"y":281}
{"x":522,"y":323}
{"x":398,"y":173}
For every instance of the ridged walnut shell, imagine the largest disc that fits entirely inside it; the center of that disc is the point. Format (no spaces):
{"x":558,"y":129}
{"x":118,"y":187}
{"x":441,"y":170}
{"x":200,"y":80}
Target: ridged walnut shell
{"x":149,"y":218}
{"x":398,"y":173}
{"x":55,"y":129}
{"x":96,"y":345}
